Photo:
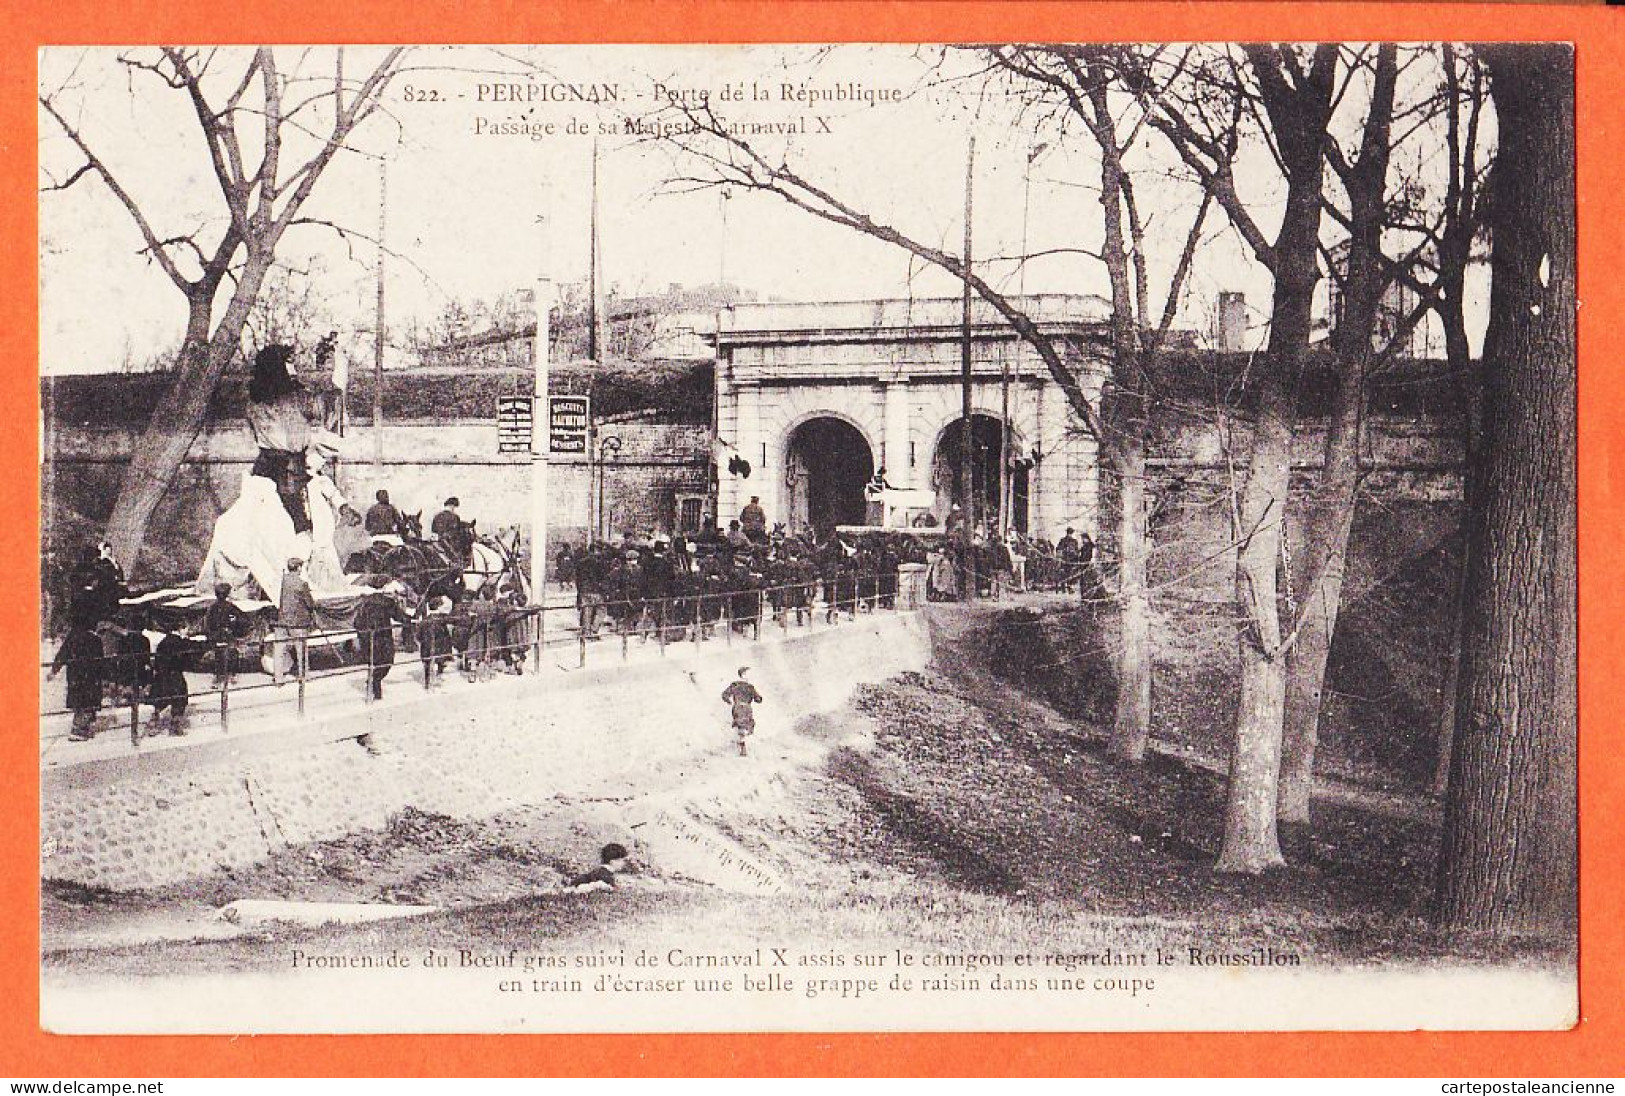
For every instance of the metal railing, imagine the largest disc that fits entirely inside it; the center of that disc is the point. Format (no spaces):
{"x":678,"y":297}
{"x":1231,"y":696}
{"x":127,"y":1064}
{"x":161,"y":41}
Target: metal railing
{"x":483,"y":645}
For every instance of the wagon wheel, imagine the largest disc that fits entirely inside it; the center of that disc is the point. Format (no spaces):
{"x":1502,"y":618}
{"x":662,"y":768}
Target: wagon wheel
{"x":409,"y":565}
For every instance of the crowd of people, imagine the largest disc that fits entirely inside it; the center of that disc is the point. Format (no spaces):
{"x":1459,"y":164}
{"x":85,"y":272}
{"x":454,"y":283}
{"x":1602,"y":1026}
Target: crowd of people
{"x":1014,"y":562}
{"x":107,"y":652}
{"x":676,"y":589}
{"x":670,"y":589}
{"x":109,"y":656}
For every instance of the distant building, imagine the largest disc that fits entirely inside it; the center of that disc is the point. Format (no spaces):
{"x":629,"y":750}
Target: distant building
{"x":816,"y":397}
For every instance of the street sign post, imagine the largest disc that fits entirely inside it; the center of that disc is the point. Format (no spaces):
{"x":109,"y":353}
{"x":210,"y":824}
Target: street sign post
{"x":568,"y":421}
{"x":515,"y":423}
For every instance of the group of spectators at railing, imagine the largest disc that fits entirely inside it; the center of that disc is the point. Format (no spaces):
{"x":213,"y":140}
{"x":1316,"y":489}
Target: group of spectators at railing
{"x":109,"y":655}
{"x":670,"y":590}
{"x":676,"y":588}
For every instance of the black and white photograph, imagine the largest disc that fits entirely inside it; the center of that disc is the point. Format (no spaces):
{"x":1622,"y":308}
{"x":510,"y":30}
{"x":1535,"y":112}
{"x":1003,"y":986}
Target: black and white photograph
{"x":808,"y":538}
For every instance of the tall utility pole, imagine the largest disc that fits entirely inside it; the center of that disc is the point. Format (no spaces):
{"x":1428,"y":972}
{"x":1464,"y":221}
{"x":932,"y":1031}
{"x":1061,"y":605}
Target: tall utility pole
{"x":1007,"y":499}
{"x":540,"y":439}
{"x":723,"y":197}
{"x":595,"y":285}
{"x":378,"y":330}
{"x":966,"y":490}
{"x":595,"y":340}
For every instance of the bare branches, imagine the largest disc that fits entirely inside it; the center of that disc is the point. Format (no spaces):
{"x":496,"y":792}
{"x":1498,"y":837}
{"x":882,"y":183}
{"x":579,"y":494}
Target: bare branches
{"x":218,"y":134}
{"x":1213,"y":163}
{"x":84,"y":169}
{"x":345,"y":119}
{"x":738,"y":163}
{"x":93,"y":162}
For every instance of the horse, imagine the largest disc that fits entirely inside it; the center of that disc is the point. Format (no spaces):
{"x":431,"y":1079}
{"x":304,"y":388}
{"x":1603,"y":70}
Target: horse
{"x":458,"y":565}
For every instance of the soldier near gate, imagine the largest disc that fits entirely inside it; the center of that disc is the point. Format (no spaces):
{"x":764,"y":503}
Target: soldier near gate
{"x":741,"y":695}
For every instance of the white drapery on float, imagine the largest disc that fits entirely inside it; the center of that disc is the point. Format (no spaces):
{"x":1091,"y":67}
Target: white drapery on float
{"x":254,"y":539}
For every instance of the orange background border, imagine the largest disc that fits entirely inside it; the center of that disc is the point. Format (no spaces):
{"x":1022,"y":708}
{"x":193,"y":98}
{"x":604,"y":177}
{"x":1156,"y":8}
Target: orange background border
{"x":1595,"y":1048}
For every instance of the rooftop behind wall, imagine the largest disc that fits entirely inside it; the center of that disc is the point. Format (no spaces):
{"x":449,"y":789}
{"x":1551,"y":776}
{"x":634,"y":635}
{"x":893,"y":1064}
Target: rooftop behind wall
{"x":888,"y":319}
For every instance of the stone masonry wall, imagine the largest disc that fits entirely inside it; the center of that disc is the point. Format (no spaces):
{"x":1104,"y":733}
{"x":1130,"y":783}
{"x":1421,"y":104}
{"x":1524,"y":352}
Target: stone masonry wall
{"x":150,"y":820}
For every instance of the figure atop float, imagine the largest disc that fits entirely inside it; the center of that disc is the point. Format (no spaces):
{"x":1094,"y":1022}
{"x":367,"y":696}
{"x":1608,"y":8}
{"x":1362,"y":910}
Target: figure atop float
{"x":290,"y":506}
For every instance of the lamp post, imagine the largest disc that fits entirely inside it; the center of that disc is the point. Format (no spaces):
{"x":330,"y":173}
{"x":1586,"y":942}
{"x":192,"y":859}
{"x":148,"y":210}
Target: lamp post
{"x":610,"y":444}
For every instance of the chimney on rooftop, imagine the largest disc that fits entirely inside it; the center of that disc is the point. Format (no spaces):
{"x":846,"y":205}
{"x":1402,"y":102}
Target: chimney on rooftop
{"x":1232,"y":325}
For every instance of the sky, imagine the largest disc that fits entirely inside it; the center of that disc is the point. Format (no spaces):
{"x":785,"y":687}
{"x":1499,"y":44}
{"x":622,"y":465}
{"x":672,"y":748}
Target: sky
{"x":470,"y":182}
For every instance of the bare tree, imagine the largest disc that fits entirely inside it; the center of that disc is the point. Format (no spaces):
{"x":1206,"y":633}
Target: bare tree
{"x":1087,"y":81}
{"x":241,"y":107}
{"x":1466,"y":96}
{"x":1330,"y":516}
{"x":1508,"y":860}
{"x":1295,"y":91}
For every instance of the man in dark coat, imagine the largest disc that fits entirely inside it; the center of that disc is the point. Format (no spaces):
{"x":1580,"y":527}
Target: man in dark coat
{"x":1066,"y":550}
{"x":375,"y":620}
{"x":1088,"y":577}
{"x":296,"y":616}
{"x":81,"y":655}
{"x":591,"y":574}
{"x":740,"y":696}
{"x":382,"y":518}
{"x":448,"y":526}
{"x":434,"y":638}
{"x":95,"y":586}
{"x":168,"y":688}
{"x":223,"y":625}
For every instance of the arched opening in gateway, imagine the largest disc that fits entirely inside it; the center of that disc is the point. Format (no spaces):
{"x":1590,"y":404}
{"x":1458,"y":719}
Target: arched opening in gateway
{"x":987,"y":446}
{"x":827,"y":465}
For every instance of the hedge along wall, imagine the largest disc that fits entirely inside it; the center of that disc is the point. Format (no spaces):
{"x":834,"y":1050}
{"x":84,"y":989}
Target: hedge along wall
{"x":424,"y":462}
{"x":440,"y":439}
{"x":149,"y":820}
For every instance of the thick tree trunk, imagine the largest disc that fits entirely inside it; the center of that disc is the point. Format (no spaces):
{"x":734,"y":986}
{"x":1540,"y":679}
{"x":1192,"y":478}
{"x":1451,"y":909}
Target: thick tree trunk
{"x":1508,"y":856}
{"x":1299,"y":116}
{"x":1327,"y":540}
{"x":1331,"y":520}
{"x":1251,"y":844}
{"x":1131,"y":731}
{"x":177,"y":421}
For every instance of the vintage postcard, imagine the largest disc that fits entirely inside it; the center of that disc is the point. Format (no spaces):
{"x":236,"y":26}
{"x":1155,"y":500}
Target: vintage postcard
{"x":818,"y":538}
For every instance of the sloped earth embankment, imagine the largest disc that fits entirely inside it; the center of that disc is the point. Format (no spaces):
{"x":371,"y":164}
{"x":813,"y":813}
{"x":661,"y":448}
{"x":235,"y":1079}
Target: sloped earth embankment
{"x":938,"y":807}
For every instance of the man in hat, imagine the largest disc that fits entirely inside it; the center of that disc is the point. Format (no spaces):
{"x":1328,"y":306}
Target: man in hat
{"x":382,"y":518}
{"x":223,"y":625}
{"x":448,"y":526}
{"x":740,"y":696}
{"x":447,"y":522}
{"x":296,"y":616}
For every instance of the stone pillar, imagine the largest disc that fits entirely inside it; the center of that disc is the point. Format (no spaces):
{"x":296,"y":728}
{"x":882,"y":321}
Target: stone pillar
{"x":1055,"y":475}
{"x":1040,"y":477}
{"x":754,"y":446}
{"x":728,"y":433}
{"x":895,"y":455}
